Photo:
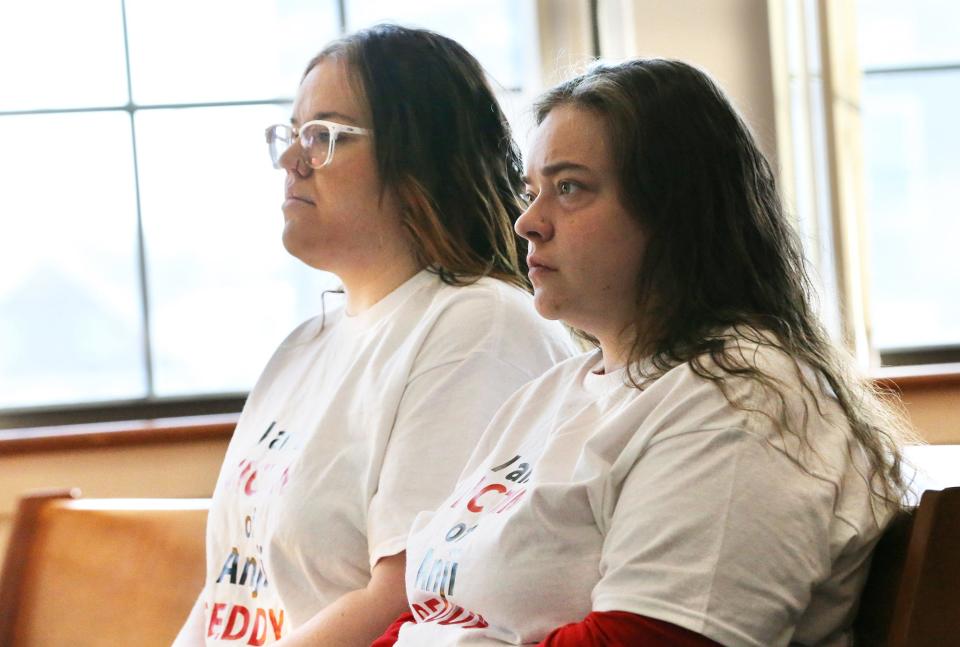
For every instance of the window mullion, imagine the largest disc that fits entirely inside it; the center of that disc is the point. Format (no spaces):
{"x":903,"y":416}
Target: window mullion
{"x":141,"y":243}
{"x":342,"y":15}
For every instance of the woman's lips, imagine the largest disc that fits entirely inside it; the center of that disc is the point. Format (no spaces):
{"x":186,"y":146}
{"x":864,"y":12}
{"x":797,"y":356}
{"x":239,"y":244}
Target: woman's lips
{"x":535,"y":263}
{"x":537,"y":269}
{"x":295,"y":198}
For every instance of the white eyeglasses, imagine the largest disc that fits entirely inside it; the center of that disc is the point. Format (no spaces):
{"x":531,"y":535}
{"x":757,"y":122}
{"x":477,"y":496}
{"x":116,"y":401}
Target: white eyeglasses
{"x":318,"y":140}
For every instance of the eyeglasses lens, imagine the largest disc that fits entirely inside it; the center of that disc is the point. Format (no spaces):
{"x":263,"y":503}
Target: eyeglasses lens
{"x":315,"y":139}
{"x":278,"y":141}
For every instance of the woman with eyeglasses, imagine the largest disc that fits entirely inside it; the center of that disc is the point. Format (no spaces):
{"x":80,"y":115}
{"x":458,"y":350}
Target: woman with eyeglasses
{"x":712,"y":474}
{"x":402,"y":180}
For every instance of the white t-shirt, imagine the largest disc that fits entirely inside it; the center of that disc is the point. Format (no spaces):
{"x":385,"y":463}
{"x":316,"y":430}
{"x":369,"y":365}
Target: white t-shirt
{"x":351,"y":430}
{"x":586,"y":494}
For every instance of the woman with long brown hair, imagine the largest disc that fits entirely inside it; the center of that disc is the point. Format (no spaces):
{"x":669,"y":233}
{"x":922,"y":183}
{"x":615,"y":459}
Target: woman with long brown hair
{"x":714,"y":472}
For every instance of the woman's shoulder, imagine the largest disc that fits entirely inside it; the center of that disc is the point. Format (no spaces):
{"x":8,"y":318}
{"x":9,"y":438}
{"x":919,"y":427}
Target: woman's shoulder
{"x":558,"y":383}
{"x":755,"y":362}
{"x":570,"y":371}
{"x":749,"y":381}
{"x":747,"y":359}
{"x":482,"y":293}
{"x":310,"y":330}
{"x":492,"y":305}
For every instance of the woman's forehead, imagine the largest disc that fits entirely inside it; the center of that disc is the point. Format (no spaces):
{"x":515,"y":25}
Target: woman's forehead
{"x":327,"y":93}
{"x":573,"y":135}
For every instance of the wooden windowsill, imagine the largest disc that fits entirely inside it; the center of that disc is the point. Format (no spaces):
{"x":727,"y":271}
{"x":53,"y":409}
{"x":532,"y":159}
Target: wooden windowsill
{"x":924,"y":375}
{"x":220,"y":426}
{"x":118,"y":434}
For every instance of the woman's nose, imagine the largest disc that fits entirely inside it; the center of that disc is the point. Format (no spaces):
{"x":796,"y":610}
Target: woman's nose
{"x":292,"y":160}
{"x":533,"y":224}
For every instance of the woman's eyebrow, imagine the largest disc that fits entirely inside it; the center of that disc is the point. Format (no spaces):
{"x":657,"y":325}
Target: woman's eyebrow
{"x":328,"y":116}
{"x":558,"y":167}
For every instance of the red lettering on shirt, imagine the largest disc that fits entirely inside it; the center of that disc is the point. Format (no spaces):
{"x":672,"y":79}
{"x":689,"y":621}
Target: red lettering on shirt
{"x":472,"y":505}
{"x":466,"y":491}
{"x":259,"y":625}
{"x":215,"y":619}
{"x":512,"y":498}
{"x":441,"y":611}
{"x":230,"y":632}
{"x":277,"y":623}
{"x":248,"y":477}
{"x":239,"y":627}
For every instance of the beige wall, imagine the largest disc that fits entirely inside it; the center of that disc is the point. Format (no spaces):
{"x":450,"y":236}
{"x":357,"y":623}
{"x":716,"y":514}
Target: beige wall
{"x":729,"y":39}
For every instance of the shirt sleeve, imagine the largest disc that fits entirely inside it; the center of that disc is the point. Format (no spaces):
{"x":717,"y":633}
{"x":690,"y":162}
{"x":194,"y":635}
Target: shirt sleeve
{"x":468,"y":367}
{"x":620,"y":629}
{"x":719,"y":532}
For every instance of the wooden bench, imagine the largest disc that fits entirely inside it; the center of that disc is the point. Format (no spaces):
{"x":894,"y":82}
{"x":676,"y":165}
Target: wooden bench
{"x":112,"y":572}
{"x":912,"y":596}
{"x":101,"y":572}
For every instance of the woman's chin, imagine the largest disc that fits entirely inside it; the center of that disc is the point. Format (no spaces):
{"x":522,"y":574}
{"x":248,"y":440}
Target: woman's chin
{"x":547,"y":306}
{"x":299,"y":248}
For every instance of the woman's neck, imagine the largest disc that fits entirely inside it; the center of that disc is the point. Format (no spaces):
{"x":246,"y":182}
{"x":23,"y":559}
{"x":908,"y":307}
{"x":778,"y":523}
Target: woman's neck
{"x":364,"y":288}
{"x":615,"y":348}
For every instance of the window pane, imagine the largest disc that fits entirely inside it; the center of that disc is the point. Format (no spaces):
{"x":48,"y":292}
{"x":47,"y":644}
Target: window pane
{"x":70,"y":326}
{"x":196,"y":51}
{"x":894,"y":33}
{"x":912,"y":174}
{"x":497,"y":32}
{"x":61,"y":54}
{"x":223,"y":292}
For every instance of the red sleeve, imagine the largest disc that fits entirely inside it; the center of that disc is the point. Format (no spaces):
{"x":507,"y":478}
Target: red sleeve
{"x":623,"y":629}
{"x":392,"y":634}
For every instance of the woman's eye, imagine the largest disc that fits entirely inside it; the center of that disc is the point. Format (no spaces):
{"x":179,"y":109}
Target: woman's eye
{"x":315,"y":135}
{"x":528,"y":197}
{"x":566,"y":188}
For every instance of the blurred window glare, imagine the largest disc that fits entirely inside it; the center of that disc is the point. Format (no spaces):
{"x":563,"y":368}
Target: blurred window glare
{"x":48,"y":62}
{"x":140,"y":223}
{"x":222,"y":290}
{"x":491,"y":34}
{"x":226,"y":50}
{"x":69,"y":292}
{"x":910,"y":56}
{"x":896,"y":34}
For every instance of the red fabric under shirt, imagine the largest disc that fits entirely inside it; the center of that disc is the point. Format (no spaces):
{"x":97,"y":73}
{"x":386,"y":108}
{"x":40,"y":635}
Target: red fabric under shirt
{"x":598,"y":629}
{"x":392,"y":634}
{"x":624,"y":629}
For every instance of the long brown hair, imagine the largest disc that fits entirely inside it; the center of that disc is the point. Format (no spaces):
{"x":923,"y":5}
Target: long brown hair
{"x":443,"y":144}
{"x":722,"y":261}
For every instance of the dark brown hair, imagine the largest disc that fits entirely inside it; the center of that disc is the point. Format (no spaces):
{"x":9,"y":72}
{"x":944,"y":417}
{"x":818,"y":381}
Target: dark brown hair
{"x":722,"y":261}
{"x":443,"y":144}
